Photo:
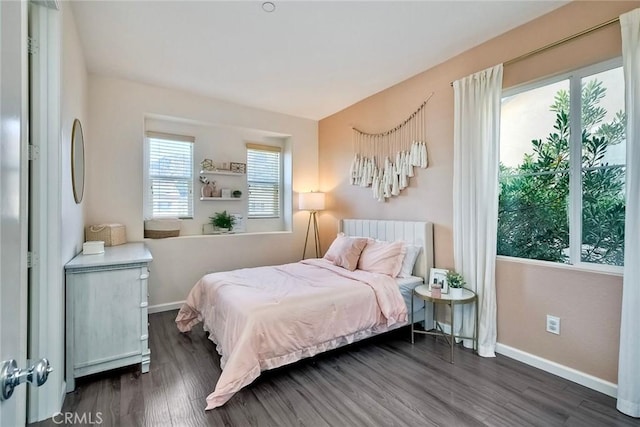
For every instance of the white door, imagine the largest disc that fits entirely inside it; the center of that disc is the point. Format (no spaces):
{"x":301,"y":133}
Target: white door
{"x":13,"y":207}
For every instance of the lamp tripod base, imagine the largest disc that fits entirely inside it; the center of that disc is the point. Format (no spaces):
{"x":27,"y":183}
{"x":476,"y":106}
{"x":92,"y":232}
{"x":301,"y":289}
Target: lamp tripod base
{"x":313,"y":217}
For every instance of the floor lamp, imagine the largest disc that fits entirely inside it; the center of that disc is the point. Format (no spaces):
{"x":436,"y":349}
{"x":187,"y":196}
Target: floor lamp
{"x":312,"y":202}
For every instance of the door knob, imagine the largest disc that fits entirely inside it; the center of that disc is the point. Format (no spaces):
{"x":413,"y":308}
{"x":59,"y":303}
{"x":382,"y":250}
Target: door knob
{"x":11,"y":376}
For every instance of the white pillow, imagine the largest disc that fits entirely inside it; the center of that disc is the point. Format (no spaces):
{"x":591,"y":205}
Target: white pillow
{"x":410,"y":258}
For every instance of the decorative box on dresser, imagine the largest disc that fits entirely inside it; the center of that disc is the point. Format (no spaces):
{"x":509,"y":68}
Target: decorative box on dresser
{"x":106,"y":313}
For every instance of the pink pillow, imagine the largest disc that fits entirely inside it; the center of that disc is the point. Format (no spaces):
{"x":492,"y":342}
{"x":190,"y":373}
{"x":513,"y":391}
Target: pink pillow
{"x":382,"y":257}
{"x":345,"y":251}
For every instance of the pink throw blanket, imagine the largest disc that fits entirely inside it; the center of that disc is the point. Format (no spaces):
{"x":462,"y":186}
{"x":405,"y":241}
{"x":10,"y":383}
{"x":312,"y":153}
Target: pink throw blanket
{"x":265,"y":317}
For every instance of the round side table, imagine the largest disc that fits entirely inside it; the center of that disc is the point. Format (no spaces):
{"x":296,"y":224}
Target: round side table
{"x":468,"y":297}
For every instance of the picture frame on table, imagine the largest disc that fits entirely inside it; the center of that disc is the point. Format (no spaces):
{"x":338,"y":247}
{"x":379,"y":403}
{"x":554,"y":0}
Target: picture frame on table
{"x":439,"y":276}
{"x":238,"y":167}
{"x":240,"y":225}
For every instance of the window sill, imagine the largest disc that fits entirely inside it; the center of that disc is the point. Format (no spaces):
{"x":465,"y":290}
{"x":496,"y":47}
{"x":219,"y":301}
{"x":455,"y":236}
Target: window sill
{"x":587,"y":268}
{"x":200,"y":236}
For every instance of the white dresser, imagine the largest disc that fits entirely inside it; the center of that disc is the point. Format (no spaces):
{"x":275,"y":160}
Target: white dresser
{"x":107,"y":311}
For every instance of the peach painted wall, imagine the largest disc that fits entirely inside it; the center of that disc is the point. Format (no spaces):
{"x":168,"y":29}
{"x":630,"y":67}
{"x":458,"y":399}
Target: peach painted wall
{"x":587,"y":303}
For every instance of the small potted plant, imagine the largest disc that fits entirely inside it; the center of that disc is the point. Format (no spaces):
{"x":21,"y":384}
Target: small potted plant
{"x":456,"y":284}
{"x":237,"y":193}
{"x":222,"y":221}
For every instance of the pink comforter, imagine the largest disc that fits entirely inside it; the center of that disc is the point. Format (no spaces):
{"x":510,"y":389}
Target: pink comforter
{"x":265,"y":317}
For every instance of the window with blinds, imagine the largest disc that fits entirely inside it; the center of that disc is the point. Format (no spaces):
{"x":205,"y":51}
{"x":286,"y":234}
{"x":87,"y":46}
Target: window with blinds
{"x":169,"y":176}
{"x":264,"y":180}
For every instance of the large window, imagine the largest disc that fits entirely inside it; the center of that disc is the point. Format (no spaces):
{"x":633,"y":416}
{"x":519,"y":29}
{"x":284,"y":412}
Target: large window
{"x":264,"y":179}
{"x":169,"y":176}
{"x":562,"y":169}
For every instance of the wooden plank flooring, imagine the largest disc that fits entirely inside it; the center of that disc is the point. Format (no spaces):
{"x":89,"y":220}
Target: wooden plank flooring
{"x":383,"y":381}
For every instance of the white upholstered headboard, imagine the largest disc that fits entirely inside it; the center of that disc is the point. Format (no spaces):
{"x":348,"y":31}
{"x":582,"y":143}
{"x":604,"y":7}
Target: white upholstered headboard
{"x":413,"y":232}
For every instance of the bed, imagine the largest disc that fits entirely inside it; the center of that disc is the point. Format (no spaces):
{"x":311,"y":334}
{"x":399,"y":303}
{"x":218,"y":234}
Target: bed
{"x":266,"y":317}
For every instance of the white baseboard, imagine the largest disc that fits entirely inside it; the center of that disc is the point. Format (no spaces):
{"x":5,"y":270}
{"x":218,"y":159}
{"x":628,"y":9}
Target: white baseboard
{"x":159,"y":308}
{"x":579,"y":377}
{"x":562,"y":371}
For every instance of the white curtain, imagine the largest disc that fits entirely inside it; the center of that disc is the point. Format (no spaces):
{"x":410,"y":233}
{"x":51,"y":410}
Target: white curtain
{"x":629,"y":361}
{"x":476,"y":138}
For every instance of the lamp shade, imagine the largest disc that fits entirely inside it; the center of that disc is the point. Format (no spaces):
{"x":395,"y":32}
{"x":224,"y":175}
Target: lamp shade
{"x":311,"y":201}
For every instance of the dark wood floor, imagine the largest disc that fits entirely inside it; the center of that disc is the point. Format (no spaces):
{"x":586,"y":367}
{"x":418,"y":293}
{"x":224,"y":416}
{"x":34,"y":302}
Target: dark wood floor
{"x":384,"y":381}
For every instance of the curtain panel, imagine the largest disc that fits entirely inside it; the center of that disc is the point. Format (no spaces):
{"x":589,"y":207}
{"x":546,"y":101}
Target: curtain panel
{"x":629,"y":359}
{"x":475,"y":198}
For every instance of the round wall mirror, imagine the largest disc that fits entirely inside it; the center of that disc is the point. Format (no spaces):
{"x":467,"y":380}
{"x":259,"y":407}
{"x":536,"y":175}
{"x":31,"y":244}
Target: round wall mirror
{"x":77,"y":161}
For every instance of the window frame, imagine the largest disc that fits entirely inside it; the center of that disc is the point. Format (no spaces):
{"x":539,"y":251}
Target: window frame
{"x":148,"y":192}
{"x":266,"y":148}
{"x":574,"y":207}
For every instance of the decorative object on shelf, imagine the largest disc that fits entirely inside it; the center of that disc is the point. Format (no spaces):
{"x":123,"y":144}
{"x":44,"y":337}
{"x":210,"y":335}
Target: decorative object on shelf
{"x":384,"y":161}
{"x":312,"y":202}
{"x":456,"y":283}
{"x":225,"y":193}
{"x":209,"y":187}
{"x":438,"y":276}
{"x":208,"y":190}
{"x":160,"y":228}
{"x":208,"y":228}
{"x":207,"y":165}
{"x":236,"y":193}
{"x":436,"y":290}
{"x":110,"y":234}
{"x":222,"y":221}
{"x":238,"y":167}
{"x":93,"y":247}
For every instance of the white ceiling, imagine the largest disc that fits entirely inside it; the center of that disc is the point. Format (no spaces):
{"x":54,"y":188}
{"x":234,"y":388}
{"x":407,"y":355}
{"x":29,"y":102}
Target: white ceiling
{"x":307,"y":58}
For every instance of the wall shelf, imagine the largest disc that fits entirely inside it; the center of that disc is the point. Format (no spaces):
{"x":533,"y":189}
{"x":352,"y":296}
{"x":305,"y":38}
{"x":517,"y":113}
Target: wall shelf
{"x":214,"y":199}
{"x":219,"y":172}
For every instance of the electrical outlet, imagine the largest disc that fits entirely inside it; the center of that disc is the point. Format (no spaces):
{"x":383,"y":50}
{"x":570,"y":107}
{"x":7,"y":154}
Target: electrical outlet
{"x":553,"y":324}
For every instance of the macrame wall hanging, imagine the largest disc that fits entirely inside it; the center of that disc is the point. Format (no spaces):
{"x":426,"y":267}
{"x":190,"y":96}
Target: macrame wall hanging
{"x":385,"y":161}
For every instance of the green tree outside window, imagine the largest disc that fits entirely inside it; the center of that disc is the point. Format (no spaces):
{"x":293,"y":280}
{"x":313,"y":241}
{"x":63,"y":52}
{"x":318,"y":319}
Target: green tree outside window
{"x":533,"y":203}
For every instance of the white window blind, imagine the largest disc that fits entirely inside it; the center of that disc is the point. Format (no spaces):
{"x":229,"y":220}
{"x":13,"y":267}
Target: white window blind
{"x":264,"y":181}
{"x":170,"y":176}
